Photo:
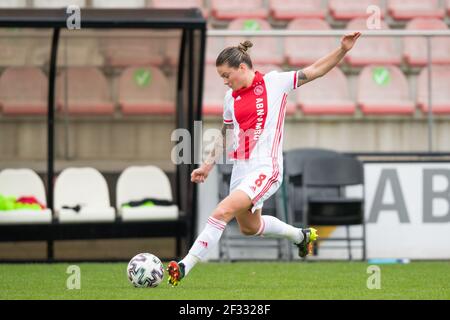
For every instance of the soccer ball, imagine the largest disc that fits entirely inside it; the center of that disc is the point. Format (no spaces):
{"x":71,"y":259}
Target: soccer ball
{"x":145,"y":270}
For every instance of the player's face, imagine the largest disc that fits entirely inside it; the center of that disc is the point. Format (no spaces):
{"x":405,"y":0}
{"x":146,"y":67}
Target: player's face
{"x":234,"y":78}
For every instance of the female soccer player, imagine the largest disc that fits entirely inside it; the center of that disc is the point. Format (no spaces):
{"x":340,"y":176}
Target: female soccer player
{"x":254,"y":108}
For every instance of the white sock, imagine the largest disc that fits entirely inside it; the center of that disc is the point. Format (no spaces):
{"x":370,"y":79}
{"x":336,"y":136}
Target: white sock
{"x":189,"y":262}
{"x":275,"y":228}
{"x":205,"y":241}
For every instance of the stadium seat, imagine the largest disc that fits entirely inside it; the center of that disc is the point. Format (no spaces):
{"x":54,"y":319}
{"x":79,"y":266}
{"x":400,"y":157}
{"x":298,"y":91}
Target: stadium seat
{"x":15,"y":47}
{"x":145,"y":91}
{"x":80,"y":50}
{"x":233,"y":9}
{"x":23,"y":183}
{"x":213,"y":92}
{"x":214,"y":45}
{"x":173,"y":43}
{"x":177,"y":4}
{"x":265,"y":49}
{"x":13,"y":3}
{"x":24,"y":46}
{"x":81,"y":195}
{"x":440,"y":82}
{"x":87,"y":92}
{"x":448,"y":7}
{"x":58,"y":4}
{"x":312,"y":100}
{"x":292,"y":9}
{"x":415,"y":48}
{"x":118,"y":4}
{"x":302,"y":51}
{"x":23,"y":90}
{"x":315,"y":180}
{"x":383,"y":90}
{"x":410,"y":9}
{"x":294,"y":162}
{"x":147,"y":182}
{"x":136,"y":48}
{"x":352,"y":9}
{"x":372,"y":50}
{"x":266,"y":68}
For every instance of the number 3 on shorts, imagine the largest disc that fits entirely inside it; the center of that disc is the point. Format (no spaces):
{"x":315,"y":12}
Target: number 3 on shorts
{"x":260,"y":180}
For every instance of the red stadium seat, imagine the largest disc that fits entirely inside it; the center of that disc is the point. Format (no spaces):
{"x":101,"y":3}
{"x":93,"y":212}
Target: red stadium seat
{"x":80,"y":50}
{"x":15,"y":47}
{"x":301,"y":51}
{"x":440,"y":82}
{"x":139,"y":48}
{"x":415,"y":48}
{"x":23,"y":90}
{"x":410,"y":9}
{"x":292,"y":9}
{"x":172,"y":44}
{"x":372,"y":50}
{"x":176,"y":4}
{"x":58,"y":4}
{"x":214,"y":45}
{"x":87,"y":92}
{"x":233,"y":9}
{"x":312,"y":100}
{"x":351,"y":9}
{"x":13,"y":4}
{"x":265,"y":49}
{"x":266,"y":68}
{"x":213,"y":92}
{"x":145,"y":90}
{"x":383,"y":90}
{"x":118,"y":4}
{"x":25,"y":47}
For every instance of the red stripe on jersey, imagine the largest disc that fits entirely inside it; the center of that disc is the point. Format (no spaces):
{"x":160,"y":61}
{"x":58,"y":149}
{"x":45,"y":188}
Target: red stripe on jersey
{"x":295,"y":79}
{"x":250,"y":111}
{"x":279,"y":125}
{"x":277,"y":140}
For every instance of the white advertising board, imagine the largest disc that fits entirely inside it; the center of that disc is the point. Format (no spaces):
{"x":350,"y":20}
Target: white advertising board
{"x":407,"y":210}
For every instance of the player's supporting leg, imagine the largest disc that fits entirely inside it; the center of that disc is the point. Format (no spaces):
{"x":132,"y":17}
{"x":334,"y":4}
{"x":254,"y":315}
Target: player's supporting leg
{"x":269,"y":226}
{"x":236,"y":203}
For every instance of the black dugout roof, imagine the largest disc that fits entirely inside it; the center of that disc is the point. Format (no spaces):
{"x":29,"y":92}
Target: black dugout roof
{"x":104,"y":18}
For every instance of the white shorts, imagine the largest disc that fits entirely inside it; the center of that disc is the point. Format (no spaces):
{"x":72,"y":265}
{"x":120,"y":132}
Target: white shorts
{"x":259,"y":179}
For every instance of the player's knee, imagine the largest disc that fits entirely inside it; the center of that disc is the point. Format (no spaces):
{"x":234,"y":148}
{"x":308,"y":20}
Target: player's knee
{"x":223,"y":213}
{"x":248,"y":230}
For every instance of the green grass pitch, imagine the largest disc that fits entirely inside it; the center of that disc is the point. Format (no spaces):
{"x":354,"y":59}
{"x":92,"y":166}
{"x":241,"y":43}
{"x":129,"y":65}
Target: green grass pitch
{"x":233,"y":281}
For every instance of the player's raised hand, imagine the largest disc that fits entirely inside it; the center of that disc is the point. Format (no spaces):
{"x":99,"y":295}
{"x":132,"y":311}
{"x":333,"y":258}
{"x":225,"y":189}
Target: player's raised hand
{"x":349,"y":40}
{"x":199,"y":175}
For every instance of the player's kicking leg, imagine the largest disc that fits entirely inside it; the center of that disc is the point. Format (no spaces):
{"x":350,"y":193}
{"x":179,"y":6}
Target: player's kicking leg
{"x":236,"y":202}
{"x":271,"y":227}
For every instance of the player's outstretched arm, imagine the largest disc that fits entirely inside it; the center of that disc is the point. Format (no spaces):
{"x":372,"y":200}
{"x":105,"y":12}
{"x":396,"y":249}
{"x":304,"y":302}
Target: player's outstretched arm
{"x":200,"y":174}
{"x":325,"y":64}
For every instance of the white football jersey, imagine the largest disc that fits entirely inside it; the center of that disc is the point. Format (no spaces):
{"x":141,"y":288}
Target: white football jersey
{"x":258,"y":113}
